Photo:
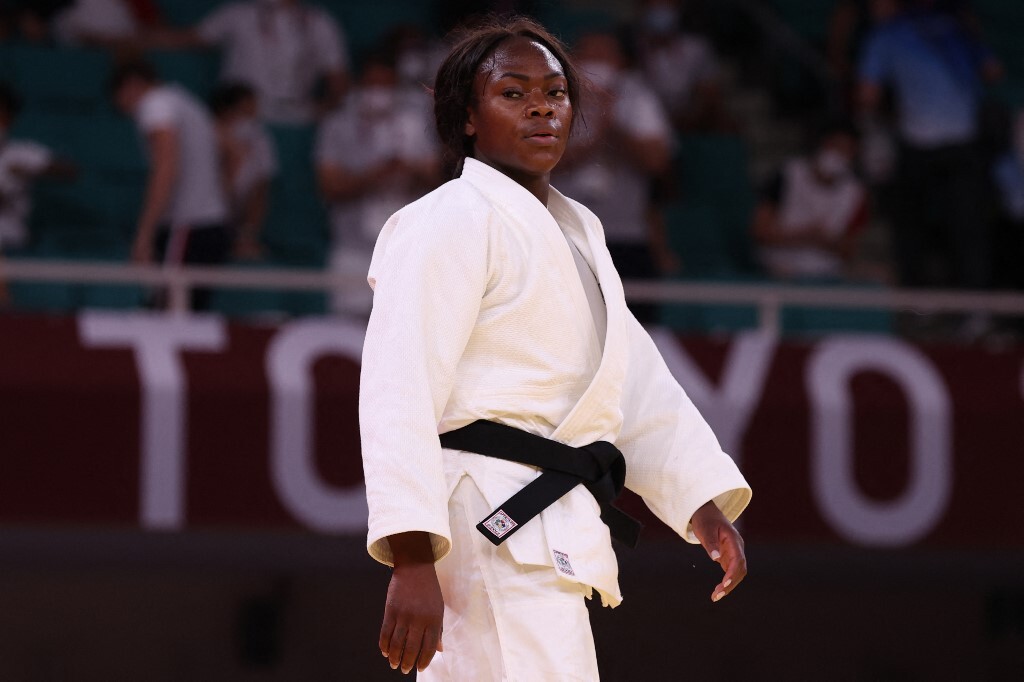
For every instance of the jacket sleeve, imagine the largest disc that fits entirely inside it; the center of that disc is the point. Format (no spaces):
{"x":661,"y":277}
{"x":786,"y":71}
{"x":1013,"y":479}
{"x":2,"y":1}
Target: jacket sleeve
{"x":673,"y":460}
{"x":429,"y":273}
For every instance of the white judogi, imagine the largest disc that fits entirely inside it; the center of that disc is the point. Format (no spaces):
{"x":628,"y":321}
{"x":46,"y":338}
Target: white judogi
{"x":479,"y":313}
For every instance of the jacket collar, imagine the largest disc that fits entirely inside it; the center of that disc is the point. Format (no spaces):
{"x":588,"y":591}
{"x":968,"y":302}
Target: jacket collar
{"x":584,"y":229}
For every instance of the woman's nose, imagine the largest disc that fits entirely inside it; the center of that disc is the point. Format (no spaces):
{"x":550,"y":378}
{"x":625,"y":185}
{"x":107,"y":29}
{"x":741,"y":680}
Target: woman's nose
{"x":538,"y":105}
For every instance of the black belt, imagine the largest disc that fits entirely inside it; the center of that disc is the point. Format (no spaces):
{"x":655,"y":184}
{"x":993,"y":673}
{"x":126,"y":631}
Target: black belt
{"x":600,"y":467}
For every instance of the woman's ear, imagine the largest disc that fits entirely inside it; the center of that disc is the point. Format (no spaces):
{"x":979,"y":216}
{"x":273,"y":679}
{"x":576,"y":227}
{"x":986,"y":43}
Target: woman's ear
{"x":470,"y":128}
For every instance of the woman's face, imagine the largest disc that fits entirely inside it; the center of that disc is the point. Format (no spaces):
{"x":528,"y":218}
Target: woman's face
{"x":521,"y":116}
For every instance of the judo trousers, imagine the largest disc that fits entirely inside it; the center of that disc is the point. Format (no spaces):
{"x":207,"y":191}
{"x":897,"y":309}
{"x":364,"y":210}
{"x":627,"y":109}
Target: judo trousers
{"x":506,"y":622}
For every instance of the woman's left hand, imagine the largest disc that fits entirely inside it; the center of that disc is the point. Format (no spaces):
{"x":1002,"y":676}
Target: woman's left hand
{"x":723,"y":544}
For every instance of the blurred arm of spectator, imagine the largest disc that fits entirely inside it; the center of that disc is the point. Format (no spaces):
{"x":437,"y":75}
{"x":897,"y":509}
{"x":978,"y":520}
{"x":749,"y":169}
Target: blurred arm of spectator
{"x":340,"y":184}
{"x":769,"y":229}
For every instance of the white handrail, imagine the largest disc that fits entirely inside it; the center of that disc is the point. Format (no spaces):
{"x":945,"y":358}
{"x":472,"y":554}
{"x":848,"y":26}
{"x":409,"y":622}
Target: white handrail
{"x":769,"y":298}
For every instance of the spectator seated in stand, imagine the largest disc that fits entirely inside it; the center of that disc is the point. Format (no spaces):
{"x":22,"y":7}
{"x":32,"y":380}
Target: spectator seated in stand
{"x":248,"y":164}
{"x":373,"y":156}
{"x":280,"y":48}
{"x":681,"y":67}
{"x":21,"y":163}
{"x":810,"y":215}
{"x":112,"y":24}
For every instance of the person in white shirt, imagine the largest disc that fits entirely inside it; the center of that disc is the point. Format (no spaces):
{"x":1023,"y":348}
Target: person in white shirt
{"x":281,"y":48}
{"x":184,"y":213}
{"x":810,"y":216}
{"x":681,"y":67}
{"x":373,"y":155}
{"x":497,"y":310}
{"x":103,"y":23}
{"x":248,"y":164}
{"x":21,"y":163}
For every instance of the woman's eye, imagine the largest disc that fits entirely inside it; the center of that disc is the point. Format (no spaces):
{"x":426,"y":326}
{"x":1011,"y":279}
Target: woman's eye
{"x":512,"y":94}
{"x":558,"y":92}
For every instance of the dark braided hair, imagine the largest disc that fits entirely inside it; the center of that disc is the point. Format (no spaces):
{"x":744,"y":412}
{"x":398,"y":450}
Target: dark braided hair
{"x":453,"y":87}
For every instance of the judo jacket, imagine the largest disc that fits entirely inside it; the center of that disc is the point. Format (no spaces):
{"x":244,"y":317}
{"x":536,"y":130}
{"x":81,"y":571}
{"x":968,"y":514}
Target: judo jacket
{"x":479,"y":312}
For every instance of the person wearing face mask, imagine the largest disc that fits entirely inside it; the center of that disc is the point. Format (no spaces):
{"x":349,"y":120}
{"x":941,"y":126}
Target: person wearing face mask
{"x":811,"y":213}
{"x":373,"y":155}
{"x":681,"y":67}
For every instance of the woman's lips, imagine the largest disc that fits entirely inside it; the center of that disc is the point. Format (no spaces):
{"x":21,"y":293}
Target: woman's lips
{"x":543,"y":139}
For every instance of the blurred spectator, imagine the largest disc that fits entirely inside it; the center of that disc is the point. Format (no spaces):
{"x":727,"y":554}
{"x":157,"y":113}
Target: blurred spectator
{"x":810,"y":214}
{"x":681,"y":67}
{"x":373,"y":156}
{"x":282,"y":48}
{"x":184,"y":212}
{"x":619,"y":145}
{"x":248,"y":164}
{"x":104,"y":23}
{"x":936,"y":69}
{"x":21,"y":162}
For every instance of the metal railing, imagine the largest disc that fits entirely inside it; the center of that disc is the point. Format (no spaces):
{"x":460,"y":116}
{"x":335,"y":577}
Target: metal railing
{"x":768,"y":298}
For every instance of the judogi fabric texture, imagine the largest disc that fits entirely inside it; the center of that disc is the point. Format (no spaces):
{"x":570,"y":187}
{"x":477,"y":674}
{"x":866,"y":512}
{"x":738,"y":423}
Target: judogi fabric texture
{"x":506,"y":622}
{"x":480,"y":313}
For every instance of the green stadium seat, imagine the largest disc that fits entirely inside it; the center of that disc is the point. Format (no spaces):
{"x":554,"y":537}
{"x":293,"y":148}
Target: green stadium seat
{"x":365,"y":23}
{"x":186,"y":12}
{"x":62,"y":80}
{"x":709,"y":226}
{"x":296,"y":230}
{"x":195,"y":70}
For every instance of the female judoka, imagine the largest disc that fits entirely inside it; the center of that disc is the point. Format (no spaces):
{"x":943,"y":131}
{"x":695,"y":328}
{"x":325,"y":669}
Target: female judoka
{"x":499,"y":328}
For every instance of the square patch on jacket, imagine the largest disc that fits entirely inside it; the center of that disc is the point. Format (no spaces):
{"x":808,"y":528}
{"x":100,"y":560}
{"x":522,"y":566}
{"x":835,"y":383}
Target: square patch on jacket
{"x":500,"y":524}
{"x":562,"y":562}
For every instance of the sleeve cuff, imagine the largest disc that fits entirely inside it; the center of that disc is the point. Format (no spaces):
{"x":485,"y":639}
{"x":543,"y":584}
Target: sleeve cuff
{"x":731,"y":503}
{"x":380,"y":549}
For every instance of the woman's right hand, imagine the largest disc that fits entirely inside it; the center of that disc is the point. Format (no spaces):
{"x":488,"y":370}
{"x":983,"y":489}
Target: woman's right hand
{"x":414,"y":611}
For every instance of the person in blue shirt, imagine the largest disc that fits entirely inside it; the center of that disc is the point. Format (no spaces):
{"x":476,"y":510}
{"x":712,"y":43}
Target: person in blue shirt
{"x":936,"y":71}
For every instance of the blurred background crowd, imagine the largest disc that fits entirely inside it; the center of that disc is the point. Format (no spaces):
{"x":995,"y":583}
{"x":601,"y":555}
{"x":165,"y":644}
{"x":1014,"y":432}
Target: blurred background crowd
{"x":847,"y":143}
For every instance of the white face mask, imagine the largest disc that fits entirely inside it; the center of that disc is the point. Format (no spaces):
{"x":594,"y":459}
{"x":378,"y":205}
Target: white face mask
{"x":376,"y":99}
{"x":832,"y":164}
{"x":601,"y":74}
